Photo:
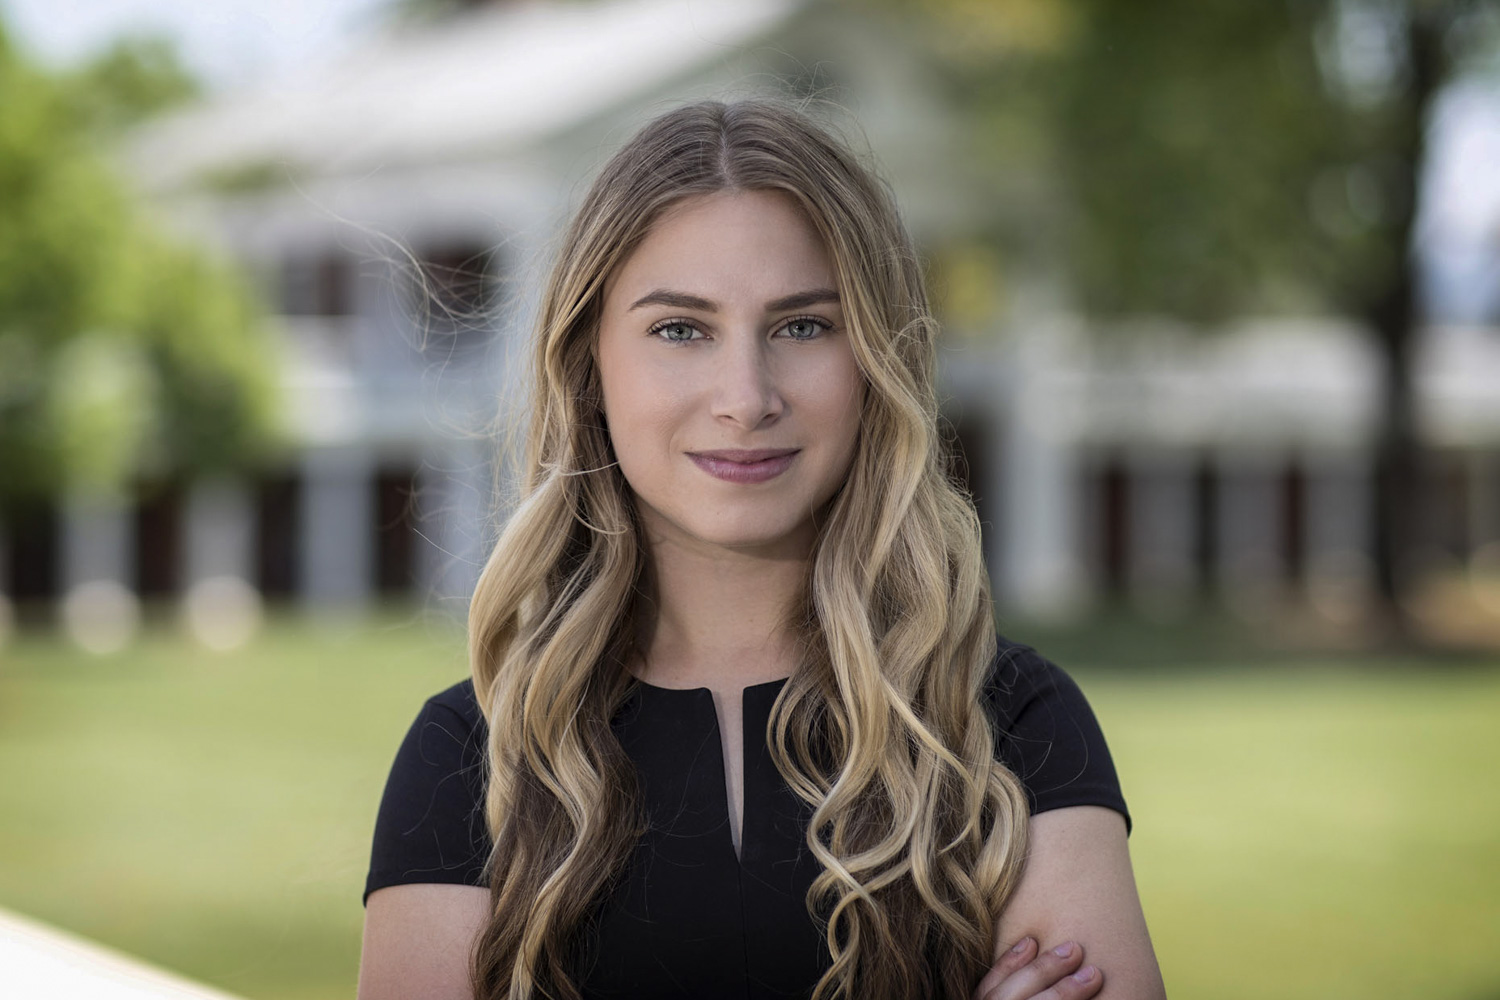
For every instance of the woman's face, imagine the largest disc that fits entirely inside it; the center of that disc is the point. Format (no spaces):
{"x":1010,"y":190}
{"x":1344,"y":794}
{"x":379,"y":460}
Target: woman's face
{"x":730,"y":389}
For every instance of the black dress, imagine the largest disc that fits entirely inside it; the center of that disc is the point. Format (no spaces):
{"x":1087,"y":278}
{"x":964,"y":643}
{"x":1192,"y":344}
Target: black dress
{"x":690,"y":919}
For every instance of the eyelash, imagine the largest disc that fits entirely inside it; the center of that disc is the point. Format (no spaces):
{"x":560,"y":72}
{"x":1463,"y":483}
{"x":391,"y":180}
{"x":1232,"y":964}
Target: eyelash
{"x":656,"y":328}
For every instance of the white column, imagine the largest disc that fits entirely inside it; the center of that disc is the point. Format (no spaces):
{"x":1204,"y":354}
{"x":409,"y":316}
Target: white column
{"x":220,"y":605}
{"x":219,"y":533}
{"x":1036,"y":557}
{"x":1248,"y":537}
{"x":1339,"y":519}
{"x":337,"y":528}
{"x":455,"y":524}
{"x":96,"y":540}
{"x":1162,"y":520}
{"x":1338,"y":513}
{"x":100,"y":609}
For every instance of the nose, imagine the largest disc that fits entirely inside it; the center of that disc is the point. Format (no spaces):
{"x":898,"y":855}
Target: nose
{"x":745,"y":387}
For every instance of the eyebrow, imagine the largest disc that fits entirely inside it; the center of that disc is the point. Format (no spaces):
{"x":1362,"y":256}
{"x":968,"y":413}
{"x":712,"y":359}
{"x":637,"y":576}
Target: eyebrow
{"x":682,"y":300}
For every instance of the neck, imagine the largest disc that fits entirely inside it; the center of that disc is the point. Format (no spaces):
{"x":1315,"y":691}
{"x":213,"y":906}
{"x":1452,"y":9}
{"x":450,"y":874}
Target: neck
{"x":718,"y":618}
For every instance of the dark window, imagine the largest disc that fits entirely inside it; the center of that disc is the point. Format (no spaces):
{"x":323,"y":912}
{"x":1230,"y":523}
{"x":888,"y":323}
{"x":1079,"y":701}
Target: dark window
{"x":395,"y":531}
{"x":1114,"y":490}
{"x":31,"y":532}
{"x":969,"y":465}
{"x":317,"y":286}
{"x":158,"y":539}
{"x":277,"y":503}
{"x":455,"y":301}
{"x":1293,"y":521}
{"x":1206,"y":523}
{"x":1485,"y":520}
{"x":1446,"y":498}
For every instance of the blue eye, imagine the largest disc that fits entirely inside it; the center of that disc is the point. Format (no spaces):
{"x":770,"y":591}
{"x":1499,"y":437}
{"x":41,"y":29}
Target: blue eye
{"x":805,"y":328}
{"x":676,"y":331}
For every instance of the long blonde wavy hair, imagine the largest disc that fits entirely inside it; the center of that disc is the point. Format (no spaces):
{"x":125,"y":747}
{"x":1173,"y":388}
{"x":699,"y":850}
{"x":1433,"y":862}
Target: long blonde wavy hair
{"x":919,"y":829}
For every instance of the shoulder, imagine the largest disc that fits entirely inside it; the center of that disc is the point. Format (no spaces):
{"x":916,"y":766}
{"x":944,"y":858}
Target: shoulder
{"x":430,"y":825}
{"x":1020,"y":677}
{"x":459,"y":704}
{"x":447,"y":739}
{"x":449,"y":731}
{"x":1046,"y":732}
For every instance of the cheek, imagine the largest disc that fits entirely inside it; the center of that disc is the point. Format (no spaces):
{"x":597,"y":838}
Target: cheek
{"x":619,"y":389}
{"x":839,"y":396}
{"x":641,"y":415}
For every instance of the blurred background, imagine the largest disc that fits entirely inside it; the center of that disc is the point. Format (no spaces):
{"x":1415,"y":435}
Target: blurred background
{"x":1220,"y":284}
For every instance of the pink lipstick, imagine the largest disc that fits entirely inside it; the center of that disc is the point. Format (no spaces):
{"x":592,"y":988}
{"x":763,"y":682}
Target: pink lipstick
{"x":749,"y":466}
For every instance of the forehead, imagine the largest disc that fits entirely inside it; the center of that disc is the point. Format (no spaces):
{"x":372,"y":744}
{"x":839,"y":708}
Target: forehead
{"x":727,"y":242}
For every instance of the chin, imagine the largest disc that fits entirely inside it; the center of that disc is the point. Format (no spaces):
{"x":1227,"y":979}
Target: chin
{"x":750,"y":537}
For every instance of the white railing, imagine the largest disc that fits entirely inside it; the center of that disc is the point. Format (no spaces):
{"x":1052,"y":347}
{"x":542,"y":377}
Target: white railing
{"x":38,"y":962}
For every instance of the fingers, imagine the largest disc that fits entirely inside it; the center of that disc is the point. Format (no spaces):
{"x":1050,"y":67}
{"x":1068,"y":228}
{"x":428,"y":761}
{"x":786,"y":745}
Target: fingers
{"x":1025,"y":973}
{"x":1006,"y":964}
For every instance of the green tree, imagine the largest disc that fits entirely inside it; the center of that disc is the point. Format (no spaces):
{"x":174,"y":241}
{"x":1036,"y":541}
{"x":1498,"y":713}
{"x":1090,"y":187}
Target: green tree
{"x":1207,"y":158}
{"x":122,"y":350}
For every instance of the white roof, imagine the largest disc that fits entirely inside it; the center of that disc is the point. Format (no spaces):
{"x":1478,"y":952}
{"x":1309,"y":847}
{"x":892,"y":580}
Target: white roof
{"x":43,"y":962}
{"x":477,"y":85}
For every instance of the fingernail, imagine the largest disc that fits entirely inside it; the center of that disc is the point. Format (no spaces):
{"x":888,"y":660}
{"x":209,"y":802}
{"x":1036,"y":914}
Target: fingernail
{"x":1085,"y":974}
{"x":1021,"y":946}
{"x":1063,"y":950}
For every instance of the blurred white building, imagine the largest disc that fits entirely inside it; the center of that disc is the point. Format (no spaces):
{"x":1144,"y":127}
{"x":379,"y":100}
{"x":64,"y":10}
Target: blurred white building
{"x":401,"y":204}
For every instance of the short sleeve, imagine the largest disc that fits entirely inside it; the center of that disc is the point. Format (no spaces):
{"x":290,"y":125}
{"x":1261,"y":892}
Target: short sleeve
{"x":1047,"y":734}
{"x":430,"y":826}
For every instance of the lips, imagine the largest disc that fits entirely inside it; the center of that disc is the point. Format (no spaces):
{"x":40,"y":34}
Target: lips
{"x":745,"y":466}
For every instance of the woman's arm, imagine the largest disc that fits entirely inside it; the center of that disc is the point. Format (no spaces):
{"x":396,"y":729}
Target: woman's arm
{"x":417,"y":941}
{"x":1078,"y":886}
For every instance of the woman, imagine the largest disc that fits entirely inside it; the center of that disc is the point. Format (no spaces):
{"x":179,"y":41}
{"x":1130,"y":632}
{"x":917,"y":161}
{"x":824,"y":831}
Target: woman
{"x":739,"y":723}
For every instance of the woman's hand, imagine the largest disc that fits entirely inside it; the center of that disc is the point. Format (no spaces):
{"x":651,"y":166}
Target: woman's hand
{"x":1078,"y":886}
{"x":1022,"y":974}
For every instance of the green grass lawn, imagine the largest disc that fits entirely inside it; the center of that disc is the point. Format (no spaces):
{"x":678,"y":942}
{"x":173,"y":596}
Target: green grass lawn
{"x":1301,"y":829}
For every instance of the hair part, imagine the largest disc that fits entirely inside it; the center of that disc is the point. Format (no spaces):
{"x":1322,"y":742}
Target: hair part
{"x":919,"y":829}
